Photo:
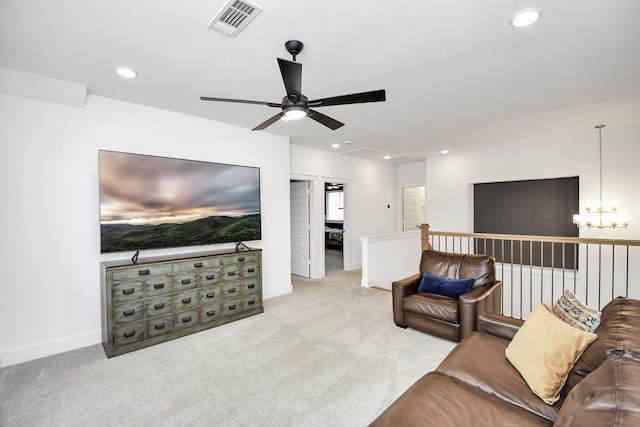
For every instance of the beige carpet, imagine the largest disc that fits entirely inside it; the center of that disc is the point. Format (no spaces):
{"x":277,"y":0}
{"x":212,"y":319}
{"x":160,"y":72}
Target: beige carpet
{"x":328,"y":354}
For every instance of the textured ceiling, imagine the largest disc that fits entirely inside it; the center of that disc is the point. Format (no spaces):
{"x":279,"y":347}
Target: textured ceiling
{"x":457,"y":75}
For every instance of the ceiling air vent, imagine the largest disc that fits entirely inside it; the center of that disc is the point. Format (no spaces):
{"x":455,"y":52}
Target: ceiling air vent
{"x":363,"y":152}
{"x":234,"y":16}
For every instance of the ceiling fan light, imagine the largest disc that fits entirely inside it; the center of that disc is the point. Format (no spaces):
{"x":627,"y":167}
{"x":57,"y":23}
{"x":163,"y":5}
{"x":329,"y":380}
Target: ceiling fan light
{"x":295,"y":113}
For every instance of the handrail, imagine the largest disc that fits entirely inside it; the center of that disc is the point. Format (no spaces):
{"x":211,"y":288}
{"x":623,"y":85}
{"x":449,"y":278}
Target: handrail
{"x":540,"y":268}
{"x":532,"y":238}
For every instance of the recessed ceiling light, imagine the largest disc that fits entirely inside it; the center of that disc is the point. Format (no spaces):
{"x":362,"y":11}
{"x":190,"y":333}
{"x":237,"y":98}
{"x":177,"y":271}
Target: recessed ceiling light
{"x":336,"y":145}
{"x":525,"y":17}
{"x":444,"y":151}
{"x":387,"y":157}
{"x":127,"y":73}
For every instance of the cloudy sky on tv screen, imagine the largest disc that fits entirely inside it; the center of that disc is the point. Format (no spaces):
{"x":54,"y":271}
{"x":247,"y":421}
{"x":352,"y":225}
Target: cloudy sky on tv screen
{"x":148,"y":190}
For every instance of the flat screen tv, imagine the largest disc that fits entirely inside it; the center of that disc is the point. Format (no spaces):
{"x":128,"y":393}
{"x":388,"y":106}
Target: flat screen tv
{"x":152,"y":202}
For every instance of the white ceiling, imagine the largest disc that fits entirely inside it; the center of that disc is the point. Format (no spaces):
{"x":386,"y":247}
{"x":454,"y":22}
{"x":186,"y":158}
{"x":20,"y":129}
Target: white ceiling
{"x":457,"y":75}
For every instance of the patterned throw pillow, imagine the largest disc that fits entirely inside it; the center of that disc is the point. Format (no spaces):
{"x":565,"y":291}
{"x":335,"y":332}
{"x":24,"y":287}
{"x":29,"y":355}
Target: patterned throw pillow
{"x":569,"y":309}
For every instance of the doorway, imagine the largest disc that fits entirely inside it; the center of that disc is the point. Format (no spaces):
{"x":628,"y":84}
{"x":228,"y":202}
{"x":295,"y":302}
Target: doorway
{"x":334,"y":220}
{"x":299,"y":200}
{"x":413,"y":208}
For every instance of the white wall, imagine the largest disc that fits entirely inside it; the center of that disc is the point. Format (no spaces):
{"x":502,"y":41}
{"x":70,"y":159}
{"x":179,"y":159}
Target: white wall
{"x":370,"y":199}
{"x":50,"y":244}
{"x":450,"y":177}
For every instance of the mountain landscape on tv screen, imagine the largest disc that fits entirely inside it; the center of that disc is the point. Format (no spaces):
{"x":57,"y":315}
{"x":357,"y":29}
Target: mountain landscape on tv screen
{"x":204,"y":231}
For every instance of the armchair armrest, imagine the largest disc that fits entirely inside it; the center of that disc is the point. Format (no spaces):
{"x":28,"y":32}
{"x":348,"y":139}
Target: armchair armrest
{"x":399,"y":290}
{"x":499,"y":325}
{"x":478,"y":301}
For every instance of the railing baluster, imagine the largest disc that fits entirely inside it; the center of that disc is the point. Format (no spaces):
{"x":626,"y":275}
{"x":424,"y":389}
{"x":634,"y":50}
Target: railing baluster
{"x":613,"y":270}
{"x":583,"y":275}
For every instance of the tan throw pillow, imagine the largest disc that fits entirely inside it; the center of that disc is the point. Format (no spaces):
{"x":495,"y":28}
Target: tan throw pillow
{"x":544,"y":350}
{"x":571,"y":310}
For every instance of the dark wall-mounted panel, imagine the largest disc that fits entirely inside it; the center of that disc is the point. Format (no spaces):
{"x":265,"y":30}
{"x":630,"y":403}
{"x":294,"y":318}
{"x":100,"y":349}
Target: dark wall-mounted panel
{"x":542,"y":207}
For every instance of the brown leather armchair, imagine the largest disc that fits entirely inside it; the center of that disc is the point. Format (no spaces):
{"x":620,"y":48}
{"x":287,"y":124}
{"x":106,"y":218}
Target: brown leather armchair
{"x":451,"y":318}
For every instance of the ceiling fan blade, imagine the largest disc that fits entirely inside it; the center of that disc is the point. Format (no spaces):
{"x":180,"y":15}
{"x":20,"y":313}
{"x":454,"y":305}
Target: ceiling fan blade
{"x":354,"y":98}
{"x":241,"y":101}
{"x":269,"y":122}
{"x":332,"y":124}
{"x":291,"y":76}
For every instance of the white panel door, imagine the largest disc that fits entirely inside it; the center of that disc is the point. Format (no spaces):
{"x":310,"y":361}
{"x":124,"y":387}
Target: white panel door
{"x":413,"y":212}
{"x":300,"y":229}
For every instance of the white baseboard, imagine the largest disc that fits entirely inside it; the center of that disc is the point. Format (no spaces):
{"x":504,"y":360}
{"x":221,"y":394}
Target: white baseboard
{"x":272,"y":293}
{"x":25,"y":354}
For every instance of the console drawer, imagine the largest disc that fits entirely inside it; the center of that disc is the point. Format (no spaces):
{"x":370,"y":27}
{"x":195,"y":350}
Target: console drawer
{"x":196,"y":264}
{"x":185,"y":300}
{"x":211,"y":312}
{"x":250,"y":286}
{"x":127,"y":291}
{"x":141,"y":271}
{"x":184,"y":319}
{"x":251,"y":302}
{"x":158,"y":306}
{"x":185,"y":281}
{"x":231,"y":307}
{"x":209,"y":295}
{"x":157,"y":285}
{"x":159,"y":326}
{"x":129,"y":312}
{"x":251,"y":270}
{"x":231,"y":290}
{"x":209,"y":277}
{"x":239,"y":258}
{"x":128,"y":333}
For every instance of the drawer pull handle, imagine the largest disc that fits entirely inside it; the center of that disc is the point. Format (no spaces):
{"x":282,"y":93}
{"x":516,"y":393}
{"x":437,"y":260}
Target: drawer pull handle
{"x":251,"y":286}
{"x":211,"y":313}
{"x":232,"y":290}
{"x":128,"y":291}
{"x":240,"y":259}
{"x":210,"y":277}
{"x":129,"y":312}
{"x":158,"y":286}
{"x":158,"y":326}
{"x":211,"y":295}
{"x":186,"y":300}
{"x":185,"y":281}
{"x":159,"y":306}
{"x":143,"y":272}
{"x":197,"y":264}
{"x":186,"y":319}
{"x":250,"y":270}
{"x":232,"y":307}
{"x":231,"y":273}
{"x":252,"y":302}
{"x":129,"y":334}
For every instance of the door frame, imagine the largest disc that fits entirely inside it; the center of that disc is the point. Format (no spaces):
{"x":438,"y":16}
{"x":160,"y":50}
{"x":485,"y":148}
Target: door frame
{"x":316,"y":210}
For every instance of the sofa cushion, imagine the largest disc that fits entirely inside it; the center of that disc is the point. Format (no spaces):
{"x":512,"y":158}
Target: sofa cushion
{"x":439,"y":400}
{"x":571,"y":310}
{"x":456,"y":266}
{"x":544,"y":350}
{"x":432,"y":305}
{"x":619,"y":326}
{"x":479,"y":361}
{"x":606,"y":397}
{"x":448,"y":287}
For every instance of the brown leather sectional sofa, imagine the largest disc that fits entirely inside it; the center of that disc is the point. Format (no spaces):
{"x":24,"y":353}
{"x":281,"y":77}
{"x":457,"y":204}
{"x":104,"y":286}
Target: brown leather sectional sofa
{"x":476,"y":385}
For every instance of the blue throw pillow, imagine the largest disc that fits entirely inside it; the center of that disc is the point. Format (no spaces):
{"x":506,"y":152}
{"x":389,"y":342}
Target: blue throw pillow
{"x":448,"y":287}
{"x":429,"y":283}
